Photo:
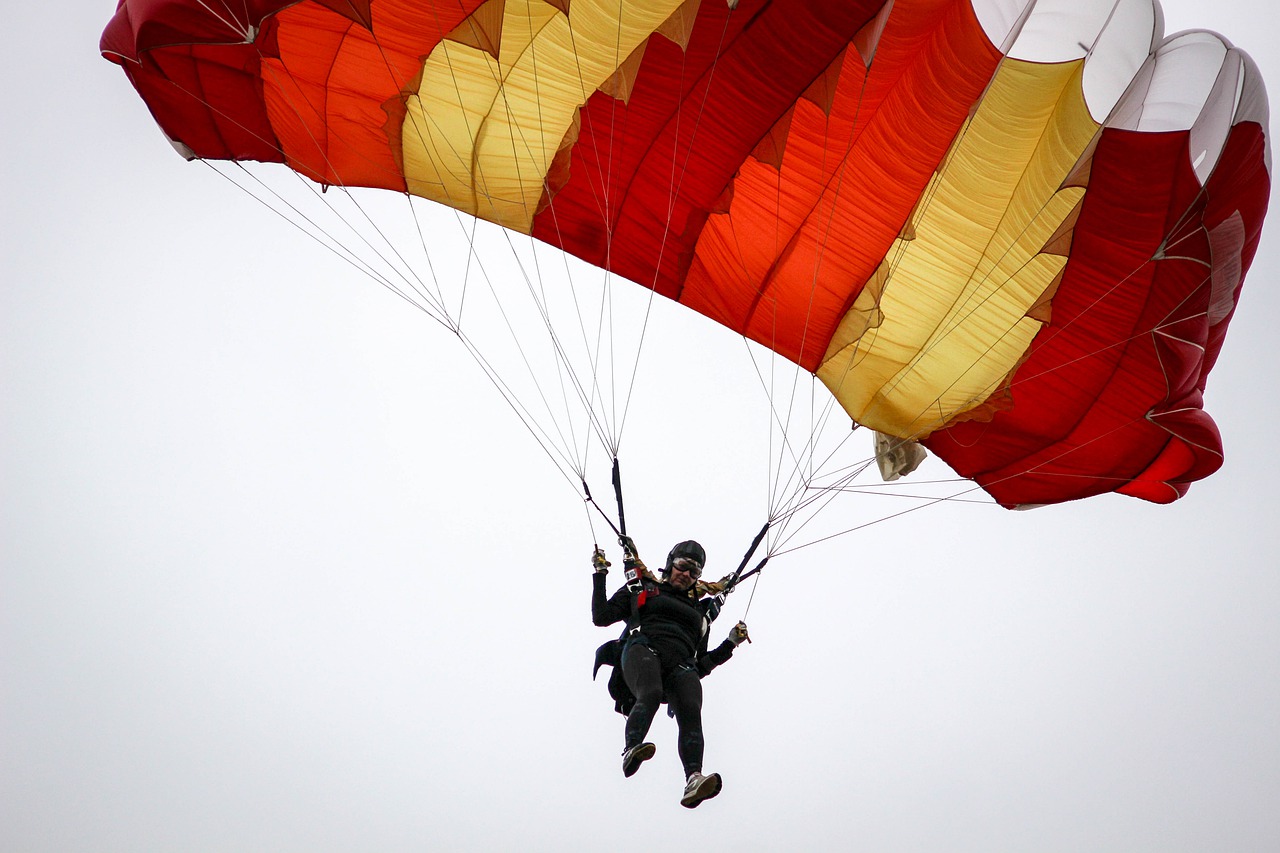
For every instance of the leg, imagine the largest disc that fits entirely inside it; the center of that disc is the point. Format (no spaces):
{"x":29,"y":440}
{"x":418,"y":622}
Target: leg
{"x":684,"y":695}
{"x":643,"y":674}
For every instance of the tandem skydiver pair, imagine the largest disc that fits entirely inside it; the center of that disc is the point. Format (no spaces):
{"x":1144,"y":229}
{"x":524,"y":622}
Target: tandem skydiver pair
{"x":662,"y":655}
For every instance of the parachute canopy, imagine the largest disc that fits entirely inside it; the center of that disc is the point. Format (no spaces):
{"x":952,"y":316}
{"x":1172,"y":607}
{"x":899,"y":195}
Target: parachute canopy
{"x":1013,"y":230}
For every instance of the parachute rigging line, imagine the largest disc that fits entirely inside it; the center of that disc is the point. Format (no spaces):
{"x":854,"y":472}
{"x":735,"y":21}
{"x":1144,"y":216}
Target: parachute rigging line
{"x":337,"y":247}
{"x":508,"y":394}
{"x":454,"y":323}
{"x":804,"y":460}
{"x":960,"y":494}
{"x":673,"y":187}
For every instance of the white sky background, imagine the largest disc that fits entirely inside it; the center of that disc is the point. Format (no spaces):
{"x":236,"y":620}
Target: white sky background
{"x":280,"y":571}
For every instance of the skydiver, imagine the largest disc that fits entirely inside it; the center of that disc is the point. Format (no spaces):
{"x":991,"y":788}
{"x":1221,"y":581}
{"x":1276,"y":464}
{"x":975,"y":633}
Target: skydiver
{"x":662,"y":656}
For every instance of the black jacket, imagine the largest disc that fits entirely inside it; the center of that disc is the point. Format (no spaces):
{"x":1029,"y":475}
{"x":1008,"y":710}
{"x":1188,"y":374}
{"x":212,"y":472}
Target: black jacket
{"x":671,"y":622}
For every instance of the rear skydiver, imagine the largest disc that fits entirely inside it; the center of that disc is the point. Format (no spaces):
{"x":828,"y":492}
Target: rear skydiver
{"x":662,"y":655}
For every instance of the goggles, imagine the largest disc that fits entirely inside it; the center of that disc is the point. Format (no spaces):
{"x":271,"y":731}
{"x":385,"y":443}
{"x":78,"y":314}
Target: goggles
{"x":688,"y":565}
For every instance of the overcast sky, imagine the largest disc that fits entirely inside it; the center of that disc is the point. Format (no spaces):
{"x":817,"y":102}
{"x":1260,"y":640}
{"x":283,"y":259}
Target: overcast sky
{"x":280,"y":571}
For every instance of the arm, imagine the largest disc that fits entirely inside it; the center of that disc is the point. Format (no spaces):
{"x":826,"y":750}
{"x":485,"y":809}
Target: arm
{"x":715,"y":657}
{"x":724,"y":651}
{"x":606,"y":611}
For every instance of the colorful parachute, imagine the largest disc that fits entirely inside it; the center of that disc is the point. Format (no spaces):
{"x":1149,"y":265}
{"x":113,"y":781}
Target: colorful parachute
{"x":1014,"y":230}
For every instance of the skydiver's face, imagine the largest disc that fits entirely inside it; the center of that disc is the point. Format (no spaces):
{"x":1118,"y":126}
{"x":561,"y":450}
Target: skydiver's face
{"x":680,"y":580}
{"x":683,"y":573}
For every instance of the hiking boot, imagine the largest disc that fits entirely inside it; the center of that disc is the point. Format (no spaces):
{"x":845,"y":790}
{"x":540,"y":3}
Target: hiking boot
{"x":700,"y":788}
{"x":635,"y":756}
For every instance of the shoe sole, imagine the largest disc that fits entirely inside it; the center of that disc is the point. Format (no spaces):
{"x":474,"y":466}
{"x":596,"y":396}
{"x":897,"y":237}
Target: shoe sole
{"x":642,"y":754}
{"x":710,"y":786}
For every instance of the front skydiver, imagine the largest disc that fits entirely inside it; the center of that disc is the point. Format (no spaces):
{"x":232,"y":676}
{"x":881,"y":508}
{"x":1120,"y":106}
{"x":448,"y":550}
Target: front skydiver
{"x":663,"y":654}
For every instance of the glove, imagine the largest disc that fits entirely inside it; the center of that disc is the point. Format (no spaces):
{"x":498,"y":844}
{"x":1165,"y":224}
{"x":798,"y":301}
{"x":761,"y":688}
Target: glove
{"x":713,"y":587}
{"x":630,"y":557}
{"x":738,"y":633}
{"x":600,"y":561}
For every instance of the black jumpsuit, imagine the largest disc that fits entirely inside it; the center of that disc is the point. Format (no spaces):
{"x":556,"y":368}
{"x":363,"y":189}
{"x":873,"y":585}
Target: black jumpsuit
{"x":664,"y":656}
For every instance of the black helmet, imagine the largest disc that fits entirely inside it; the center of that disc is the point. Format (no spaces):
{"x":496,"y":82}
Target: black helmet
{"x":687,"y":548}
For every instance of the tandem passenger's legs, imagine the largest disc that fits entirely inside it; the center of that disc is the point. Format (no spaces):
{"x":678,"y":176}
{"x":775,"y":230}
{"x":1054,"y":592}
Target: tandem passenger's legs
{"x":684,"y":695}
{"x":643,"y":673}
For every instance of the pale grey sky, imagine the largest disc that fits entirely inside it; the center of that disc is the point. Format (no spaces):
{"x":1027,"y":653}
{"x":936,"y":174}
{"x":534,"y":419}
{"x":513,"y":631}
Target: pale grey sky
{"x":280,"y":571}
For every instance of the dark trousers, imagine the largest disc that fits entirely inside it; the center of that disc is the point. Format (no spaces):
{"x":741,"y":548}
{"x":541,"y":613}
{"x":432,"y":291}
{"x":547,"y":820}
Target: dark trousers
{"x":682,"y":689}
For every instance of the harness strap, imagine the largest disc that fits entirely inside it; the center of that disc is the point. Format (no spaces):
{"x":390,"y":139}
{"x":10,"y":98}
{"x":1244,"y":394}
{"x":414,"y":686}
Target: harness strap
{"x":755,"y":543}
{"x":619,"y":529}
{"x":756,"y":570}
{"x":609,"y":521}
{"x":639,"y":593}
{"x":617,"y":493}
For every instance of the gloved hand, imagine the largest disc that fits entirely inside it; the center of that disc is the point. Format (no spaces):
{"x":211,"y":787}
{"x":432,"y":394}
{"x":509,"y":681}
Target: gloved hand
{"x":600,"y":562}
{"x":630,"y":556}
{"x":738,"y":633}
{"x":714,"y":587}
